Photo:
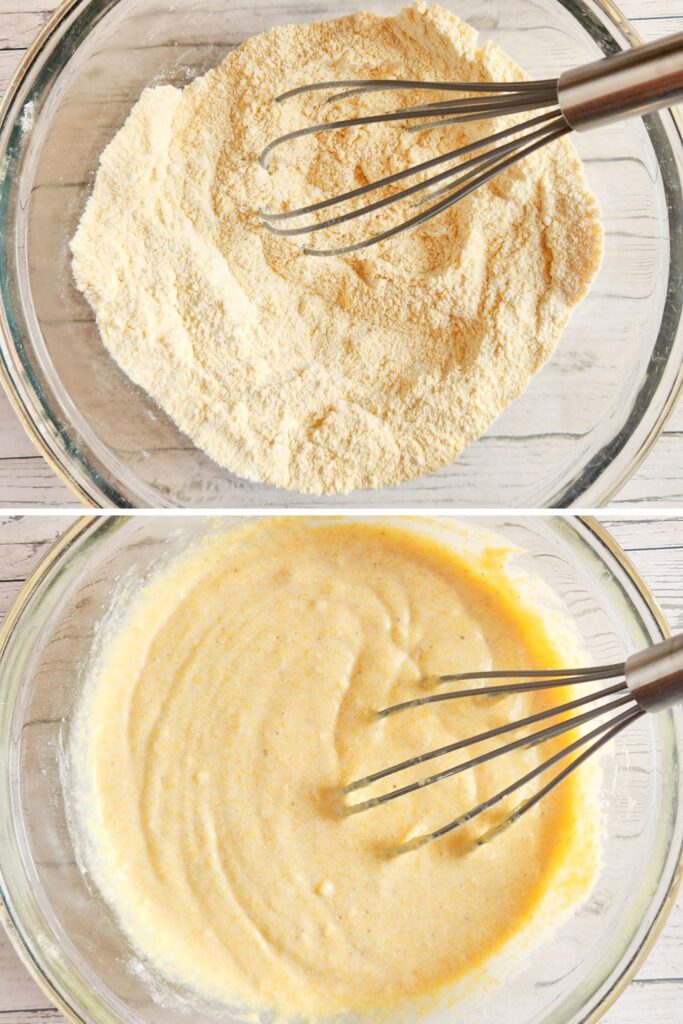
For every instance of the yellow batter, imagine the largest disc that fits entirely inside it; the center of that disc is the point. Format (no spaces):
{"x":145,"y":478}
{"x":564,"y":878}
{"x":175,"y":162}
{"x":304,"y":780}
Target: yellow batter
{"x":222,"y":716}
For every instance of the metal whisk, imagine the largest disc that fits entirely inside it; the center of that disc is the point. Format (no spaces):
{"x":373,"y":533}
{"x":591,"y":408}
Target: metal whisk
{"x":614,"y":88}
{"x":650,"y":680}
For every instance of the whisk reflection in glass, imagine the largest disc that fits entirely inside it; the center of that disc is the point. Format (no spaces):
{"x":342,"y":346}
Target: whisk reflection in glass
{"x":616,"y":87}
{"x":648,"y":681}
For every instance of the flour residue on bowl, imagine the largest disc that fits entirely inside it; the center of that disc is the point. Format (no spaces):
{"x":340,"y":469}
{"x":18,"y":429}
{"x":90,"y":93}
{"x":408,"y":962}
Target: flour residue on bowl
{"x":230,"y":703}
{"x":325,"y":375}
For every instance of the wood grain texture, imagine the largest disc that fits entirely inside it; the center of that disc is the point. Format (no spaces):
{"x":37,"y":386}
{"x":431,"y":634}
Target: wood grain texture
{"x":27,"y":481}
{"x":656,"y":548}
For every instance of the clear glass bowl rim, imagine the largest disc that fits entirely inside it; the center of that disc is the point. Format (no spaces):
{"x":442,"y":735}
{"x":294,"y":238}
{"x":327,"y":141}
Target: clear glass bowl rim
{"x":606,"y":548}
{"x":83,"y":479}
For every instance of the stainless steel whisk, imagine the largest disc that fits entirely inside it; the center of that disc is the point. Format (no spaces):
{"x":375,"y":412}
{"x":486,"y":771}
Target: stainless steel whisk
{"x":614,"y":88}
{"x":648,"y":681}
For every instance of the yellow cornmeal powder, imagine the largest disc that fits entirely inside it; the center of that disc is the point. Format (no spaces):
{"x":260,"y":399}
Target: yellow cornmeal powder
{"x":327,"y":374}
{"x":238,"y":693}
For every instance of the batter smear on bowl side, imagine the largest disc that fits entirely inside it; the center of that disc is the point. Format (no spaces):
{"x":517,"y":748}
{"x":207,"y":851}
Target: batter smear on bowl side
{"x":235,"y":694}
{"x":327,"y":375}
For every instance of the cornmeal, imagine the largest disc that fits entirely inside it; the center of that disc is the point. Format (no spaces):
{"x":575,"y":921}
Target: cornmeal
{"x":327,"y":374}
{"x":230,"y":704}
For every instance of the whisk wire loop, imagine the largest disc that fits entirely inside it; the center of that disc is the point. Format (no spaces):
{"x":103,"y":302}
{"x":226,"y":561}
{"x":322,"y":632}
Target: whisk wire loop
{"x":525,"y":741}
{"x":390,"y":179}
{"x":463,"y":171}
{"x":602,"y":734}
{"x":485,"y":99}
{"x":443,"y":204}
{"x":491,"y":100}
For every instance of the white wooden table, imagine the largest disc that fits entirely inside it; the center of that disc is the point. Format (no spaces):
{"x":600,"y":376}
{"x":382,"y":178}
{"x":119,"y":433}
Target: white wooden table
{"x":26,"y":479}
{"x":656,"y":547}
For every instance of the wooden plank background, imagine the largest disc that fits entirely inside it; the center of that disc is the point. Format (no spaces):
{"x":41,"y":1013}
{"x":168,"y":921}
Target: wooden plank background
{"x":26,"y":479}
{"x":656,"y":547}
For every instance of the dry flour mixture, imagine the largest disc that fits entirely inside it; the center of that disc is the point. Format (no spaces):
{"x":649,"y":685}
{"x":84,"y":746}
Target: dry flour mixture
{"x":328,"y":374}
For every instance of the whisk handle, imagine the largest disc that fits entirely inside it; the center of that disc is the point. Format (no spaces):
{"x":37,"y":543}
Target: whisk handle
{"x":625,"y":85}
{"x":655,"y":676}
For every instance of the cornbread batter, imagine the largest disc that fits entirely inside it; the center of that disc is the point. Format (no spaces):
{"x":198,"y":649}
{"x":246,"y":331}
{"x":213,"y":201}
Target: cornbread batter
{"x":327,"y":374}
{"x":230,"y":704}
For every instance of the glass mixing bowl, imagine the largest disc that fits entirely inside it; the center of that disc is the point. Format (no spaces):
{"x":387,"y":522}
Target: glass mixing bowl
{"x":70,"y":941}
{"x":573,"y":438}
